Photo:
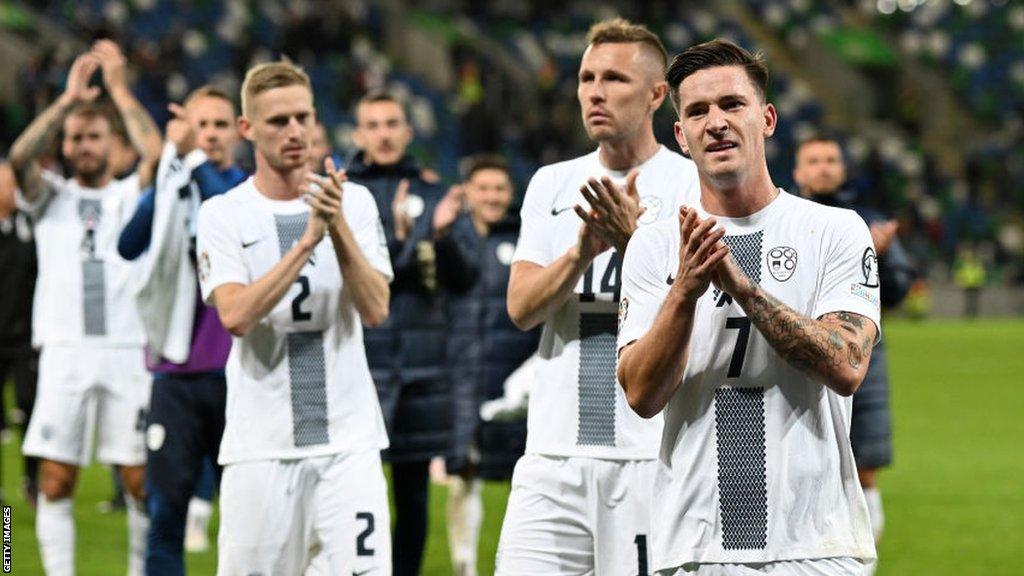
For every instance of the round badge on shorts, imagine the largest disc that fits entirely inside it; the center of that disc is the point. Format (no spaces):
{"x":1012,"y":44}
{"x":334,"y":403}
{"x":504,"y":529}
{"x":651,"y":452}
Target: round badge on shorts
{"x":504,"y":253}
{"x":781,"y":262}
{"x":413,"y":206}
{"x":155,"y":436}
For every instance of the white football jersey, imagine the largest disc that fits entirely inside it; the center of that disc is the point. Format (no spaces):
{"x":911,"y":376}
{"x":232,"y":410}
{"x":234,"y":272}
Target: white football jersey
{"x":577,"y":407}
{"x":84,"y":288}
{"x":756,"y":458}
{"x":298,"y":382}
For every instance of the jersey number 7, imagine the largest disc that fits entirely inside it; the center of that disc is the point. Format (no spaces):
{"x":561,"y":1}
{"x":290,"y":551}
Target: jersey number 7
{"x":741,"y":323}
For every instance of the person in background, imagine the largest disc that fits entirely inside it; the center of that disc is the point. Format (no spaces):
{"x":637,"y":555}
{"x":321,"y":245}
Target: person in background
{"x":18,"y":359}
{"x":187,"y":346}
{"x":484,"y":348}
{"x":84,"y":316}
{"x":820,"y":172}
{"x":433,"y":249}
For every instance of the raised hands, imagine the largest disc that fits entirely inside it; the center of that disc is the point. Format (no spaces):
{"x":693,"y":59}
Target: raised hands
{"x":113,"y":63}
{"x":179,"y":130}
{"x":324,"y":196}
{"x":448,"y":209}
{"x":882,"y":234}
{"x":77,"y":88}
{"x":701,"y":253}
{"x":613,"y":211}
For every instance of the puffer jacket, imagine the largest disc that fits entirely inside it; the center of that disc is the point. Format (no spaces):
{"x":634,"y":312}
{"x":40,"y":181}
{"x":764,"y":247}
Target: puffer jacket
{"x":484,"y":347}
{"x":406,"y":353}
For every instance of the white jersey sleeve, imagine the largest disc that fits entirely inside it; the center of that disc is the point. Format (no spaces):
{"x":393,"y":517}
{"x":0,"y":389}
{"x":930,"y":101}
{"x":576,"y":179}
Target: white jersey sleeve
{"x":220,"y":248}
{"x":534,"y":234}
{"x":849,"y":273}
{"x":363,"y":218}
{"x":52,"y":184}
{"x":643,"y":283}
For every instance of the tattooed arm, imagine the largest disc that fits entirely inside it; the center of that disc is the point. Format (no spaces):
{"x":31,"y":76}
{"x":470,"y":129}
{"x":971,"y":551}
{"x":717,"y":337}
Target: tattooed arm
{"x":35,"y":140}
{"x":834,"y":349}
{"x":142,"y":131}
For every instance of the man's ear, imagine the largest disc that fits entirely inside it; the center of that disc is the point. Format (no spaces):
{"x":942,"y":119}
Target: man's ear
{"x":680,"y":137}
{"x":244,"y":127}
{"x":771,"y":119}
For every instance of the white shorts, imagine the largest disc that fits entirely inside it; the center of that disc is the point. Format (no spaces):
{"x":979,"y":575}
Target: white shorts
{"x":87,"y":389}
{"x":277,"y":515}
{"x":576,"y":516}
{"x":842,"y":566}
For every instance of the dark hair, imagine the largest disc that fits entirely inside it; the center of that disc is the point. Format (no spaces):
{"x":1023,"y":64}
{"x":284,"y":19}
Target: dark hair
{"x":819,"y":137}
{"x":97,"y":110}
{"x":477,"y":162}
{"x":717,"y":52}
{"x":379,"y":96}
{"x":620,"y":30}
{"x":209,"y":91}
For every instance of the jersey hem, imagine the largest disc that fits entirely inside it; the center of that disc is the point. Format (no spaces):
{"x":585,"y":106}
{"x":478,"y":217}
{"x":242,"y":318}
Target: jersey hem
{"x":293,"y":455}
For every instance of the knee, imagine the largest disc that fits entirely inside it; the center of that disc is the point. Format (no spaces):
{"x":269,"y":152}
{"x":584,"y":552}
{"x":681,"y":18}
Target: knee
{"x":58,"y":481}
{"x":133,"y":478}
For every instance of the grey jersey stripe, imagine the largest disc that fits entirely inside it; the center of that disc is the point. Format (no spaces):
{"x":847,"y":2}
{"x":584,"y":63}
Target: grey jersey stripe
{"x":307,"y":371}
{"x":94,"y":301}
{"x":597,"y":379}
{"x":746,"y":249}
{"x":742,"y":468}
{"x":308,"y":375}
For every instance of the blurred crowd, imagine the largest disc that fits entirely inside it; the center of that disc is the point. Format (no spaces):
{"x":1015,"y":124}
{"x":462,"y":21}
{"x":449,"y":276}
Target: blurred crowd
{"x":500,"y":77}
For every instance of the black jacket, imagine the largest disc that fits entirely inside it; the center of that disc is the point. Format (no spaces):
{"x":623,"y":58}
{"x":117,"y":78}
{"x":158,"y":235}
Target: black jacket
{"x":484,"y":347}
{"x":407,"y":353}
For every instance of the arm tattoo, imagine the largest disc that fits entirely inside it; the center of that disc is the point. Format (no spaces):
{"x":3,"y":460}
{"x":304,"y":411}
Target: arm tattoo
{"x":820,"y":348}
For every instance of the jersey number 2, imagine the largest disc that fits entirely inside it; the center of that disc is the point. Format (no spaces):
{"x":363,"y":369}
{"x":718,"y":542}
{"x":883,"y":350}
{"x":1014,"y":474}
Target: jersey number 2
{"x":741,"y":323}
{"x":297,"y":312}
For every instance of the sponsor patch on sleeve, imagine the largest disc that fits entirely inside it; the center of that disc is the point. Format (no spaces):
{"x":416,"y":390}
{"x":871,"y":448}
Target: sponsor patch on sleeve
{"x":623,"y":310}
{"x":865,"y":293}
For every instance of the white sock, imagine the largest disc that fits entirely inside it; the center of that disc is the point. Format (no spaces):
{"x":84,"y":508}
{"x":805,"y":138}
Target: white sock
{"x":138,"y":530}
{"x":875,"y":512}
{"x":877,"y":517}
{"x":199,"y":512}
{"x":465,"y":513}
{"x":55,"y":530}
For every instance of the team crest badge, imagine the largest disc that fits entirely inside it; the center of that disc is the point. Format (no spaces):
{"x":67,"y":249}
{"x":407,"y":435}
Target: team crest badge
{"x":414,"y":206}
{"x":869,"y":267}
{"x":652,"y":209}
{"x":781,"y":262}
{"x":504,"y":253}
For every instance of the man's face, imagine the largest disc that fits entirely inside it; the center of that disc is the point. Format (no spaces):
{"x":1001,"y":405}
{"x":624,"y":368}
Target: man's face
{"x":489,"y":192}
{"x":819,"y":168}
{"x":86,"y":145}
{"x":213,"y":122}
{"x":617,"y":90}
{"x":382,"y":132}
{"x":723,"y":123}
{"x":319,"y":148}
{"x":280,"y":125}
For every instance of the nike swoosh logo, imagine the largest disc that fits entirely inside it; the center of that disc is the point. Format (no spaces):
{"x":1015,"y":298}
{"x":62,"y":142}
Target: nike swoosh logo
{"x":557,"y":211}
{"x":670,"y":280}
{"x":248,"y":244}
{"x":367,"y":571}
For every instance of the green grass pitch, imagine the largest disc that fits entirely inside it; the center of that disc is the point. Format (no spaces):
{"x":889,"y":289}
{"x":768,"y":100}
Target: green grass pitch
{"x":954,"y":499}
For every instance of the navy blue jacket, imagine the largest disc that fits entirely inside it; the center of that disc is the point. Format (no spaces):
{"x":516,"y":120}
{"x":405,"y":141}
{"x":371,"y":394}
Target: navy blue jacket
{"x":407,"y":352}
{"x":484,"y":347}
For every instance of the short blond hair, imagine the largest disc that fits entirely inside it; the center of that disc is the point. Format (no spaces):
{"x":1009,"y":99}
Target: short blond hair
{"x":268,"y":76}
{"x":209,"y":91}
{"x":622,"y":31}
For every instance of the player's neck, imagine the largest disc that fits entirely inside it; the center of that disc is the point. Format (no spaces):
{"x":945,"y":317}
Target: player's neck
{"x":277,"y":184}
{"x":628,"y":153}
{"x":737,"y":199}
{"x":93,"y":182}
